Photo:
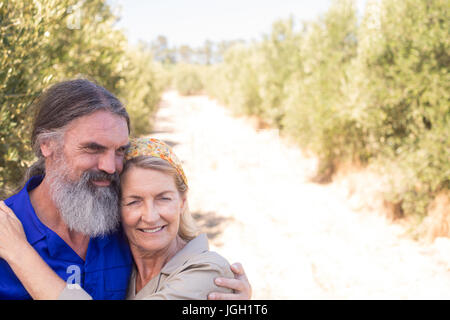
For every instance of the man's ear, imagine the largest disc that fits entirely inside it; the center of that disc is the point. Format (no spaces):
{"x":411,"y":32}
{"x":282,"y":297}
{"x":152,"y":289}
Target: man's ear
{"x":47,"y":148}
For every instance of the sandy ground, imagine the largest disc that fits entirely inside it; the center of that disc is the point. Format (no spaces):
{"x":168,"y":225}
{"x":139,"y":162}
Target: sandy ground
{"x":250,"y":192}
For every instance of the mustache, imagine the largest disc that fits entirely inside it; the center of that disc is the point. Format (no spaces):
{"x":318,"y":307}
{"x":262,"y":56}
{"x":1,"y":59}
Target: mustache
{"x":94,"y":175}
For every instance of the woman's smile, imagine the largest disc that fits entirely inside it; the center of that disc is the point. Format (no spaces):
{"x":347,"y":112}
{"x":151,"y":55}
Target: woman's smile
{"x":152,"y":230}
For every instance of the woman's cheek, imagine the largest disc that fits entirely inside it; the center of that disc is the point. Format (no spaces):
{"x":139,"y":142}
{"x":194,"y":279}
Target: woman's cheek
{"x":170,"y":212}
{"x":130,"y":217}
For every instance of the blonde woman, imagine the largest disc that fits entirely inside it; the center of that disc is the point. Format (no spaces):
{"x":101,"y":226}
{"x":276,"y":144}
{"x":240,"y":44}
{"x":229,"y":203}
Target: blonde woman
{"x":171,"y":261}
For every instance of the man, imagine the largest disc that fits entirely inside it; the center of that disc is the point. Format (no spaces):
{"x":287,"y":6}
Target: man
{"x":69,"y":204}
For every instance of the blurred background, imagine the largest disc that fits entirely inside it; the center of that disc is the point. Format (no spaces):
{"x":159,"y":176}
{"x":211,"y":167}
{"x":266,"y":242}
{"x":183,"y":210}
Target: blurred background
{"x":315,"y":134}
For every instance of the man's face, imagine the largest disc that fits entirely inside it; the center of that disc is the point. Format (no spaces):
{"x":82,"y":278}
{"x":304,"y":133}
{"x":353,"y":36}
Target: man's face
{"x":96,"y":142}
{"x":83,"y":172}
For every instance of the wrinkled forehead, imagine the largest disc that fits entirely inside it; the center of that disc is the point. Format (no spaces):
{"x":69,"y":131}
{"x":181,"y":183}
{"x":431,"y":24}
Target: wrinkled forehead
{"x":101,"y":127}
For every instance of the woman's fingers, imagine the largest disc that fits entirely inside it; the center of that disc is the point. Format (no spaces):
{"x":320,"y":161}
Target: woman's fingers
{"x":12,"y":235}
{"x":4,"y":213}
{"x":4,"y":208}
{"x":7,"y":210}
{"x":12,"y":220}
{"x":2,"y":205}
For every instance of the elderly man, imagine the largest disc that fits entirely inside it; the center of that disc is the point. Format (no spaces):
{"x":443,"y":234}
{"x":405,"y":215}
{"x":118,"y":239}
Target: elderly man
{"x":69,"y":204}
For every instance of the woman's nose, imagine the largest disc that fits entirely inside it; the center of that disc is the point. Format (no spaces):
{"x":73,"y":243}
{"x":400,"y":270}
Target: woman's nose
{"x":150,"y":214}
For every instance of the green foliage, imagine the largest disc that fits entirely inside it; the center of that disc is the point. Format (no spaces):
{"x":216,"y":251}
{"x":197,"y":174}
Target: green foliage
{"x":373,"y":91}
{"x":238,"y":80}
{"x":46,"y":41}
{"x":24,"y":73}
{"x":187,"y":79}
{"x":314,"y":103}
{"x":141,"y":88}
{"x":403,"y":78}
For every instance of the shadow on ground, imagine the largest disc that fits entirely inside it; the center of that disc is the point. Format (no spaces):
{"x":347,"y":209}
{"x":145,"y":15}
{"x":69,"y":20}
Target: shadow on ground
{"x":211,"y":223}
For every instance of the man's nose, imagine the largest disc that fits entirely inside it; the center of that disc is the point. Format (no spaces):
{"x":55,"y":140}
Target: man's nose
{"x":107,"y":163}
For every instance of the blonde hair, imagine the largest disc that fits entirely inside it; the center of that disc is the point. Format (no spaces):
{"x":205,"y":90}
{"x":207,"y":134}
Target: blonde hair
{"x":188,"y":229}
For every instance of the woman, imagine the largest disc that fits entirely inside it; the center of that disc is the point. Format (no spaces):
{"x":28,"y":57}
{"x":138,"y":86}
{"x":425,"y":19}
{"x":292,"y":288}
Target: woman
{"x":170,"y":260}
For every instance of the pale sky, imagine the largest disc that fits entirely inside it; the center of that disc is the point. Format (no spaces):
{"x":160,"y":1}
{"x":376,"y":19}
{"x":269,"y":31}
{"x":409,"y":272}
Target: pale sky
{"x":194,"y":21}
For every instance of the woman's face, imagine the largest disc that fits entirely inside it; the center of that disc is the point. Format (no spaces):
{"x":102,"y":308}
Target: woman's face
{"x":151,"y":209}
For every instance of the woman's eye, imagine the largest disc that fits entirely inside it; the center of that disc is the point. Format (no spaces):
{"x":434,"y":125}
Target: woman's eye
{"x":166,"y":199}
{"x":131,"y":203}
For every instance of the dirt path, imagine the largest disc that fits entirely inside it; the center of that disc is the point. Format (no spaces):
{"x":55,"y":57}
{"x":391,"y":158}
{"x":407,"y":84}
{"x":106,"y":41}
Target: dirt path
{"x":296,"y":239}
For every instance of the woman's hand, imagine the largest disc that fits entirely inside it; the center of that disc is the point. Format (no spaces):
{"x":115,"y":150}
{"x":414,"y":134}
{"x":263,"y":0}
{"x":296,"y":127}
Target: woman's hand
{"x":240,"y":285}
{"x":12,"y":236}
{"x":37,"y":277}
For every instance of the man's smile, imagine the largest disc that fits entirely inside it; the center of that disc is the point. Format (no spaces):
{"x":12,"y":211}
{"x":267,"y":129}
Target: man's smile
{"x":102,"y":183}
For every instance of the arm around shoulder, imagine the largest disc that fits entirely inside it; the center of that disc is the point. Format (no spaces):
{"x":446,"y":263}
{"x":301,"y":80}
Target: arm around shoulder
{"x":194,"y":280}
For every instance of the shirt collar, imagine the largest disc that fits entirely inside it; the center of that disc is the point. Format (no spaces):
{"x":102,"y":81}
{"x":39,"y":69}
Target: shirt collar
{"x":102,"y":241}
{"x":194,"y":247}
{"x":33,"y":227}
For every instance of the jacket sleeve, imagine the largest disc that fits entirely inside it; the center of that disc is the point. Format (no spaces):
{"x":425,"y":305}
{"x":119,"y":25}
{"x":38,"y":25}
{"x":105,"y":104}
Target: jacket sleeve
{"x":193,"y":282}
{"x":74,"y":292}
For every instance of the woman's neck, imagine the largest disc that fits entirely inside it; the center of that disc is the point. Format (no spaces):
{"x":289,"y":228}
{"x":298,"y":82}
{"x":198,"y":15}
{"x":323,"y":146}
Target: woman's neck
{"x":150,"y":263}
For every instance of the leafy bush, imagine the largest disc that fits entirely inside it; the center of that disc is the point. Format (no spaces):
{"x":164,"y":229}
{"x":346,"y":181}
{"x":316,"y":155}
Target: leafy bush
{"x":240,"y":85}
{"x":374,"y":92}
{"x":404,"y":83}
{"x":141,"y":88}
{"x":187,"y":79}
{"x":314,"y":105}
{"x":47,"y":41}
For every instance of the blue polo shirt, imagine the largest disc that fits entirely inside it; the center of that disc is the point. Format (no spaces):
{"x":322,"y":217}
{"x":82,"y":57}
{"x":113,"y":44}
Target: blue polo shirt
{"x":104,"y":274}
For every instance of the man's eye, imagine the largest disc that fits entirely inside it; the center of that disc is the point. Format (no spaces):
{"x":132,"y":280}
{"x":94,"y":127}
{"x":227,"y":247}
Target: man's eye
{"x":166,"y":198}
{"x":131,"y":203}
{"x":93,"y":150}
{"x":120,"y":151}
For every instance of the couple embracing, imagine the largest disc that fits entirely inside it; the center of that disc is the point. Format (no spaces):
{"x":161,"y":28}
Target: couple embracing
{"x":103,"y":216}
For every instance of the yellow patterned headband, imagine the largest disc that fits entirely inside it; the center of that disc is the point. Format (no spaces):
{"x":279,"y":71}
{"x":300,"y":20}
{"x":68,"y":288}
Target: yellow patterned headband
{"x":154,"y":148}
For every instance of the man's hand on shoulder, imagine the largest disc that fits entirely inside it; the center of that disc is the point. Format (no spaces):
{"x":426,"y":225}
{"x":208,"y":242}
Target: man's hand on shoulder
{"x":240,"y":285}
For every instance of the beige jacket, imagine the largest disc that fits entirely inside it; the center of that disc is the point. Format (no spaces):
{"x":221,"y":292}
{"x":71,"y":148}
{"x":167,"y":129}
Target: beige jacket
{"x":188,"y":275}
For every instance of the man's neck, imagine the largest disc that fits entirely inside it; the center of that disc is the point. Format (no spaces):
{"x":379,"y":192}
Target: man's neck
{"x":49,"y":215}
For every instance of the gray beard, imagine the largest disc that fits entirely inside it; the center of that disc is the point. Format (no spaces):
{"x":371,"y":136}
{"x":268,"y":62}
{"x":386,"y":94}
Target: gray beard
{"x":84,"y":207}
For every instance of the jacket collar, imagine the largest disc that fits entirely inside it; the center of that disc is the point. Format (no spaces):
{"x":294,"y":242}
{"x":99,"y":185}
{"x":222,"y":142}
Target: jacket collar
{"x":194,"y":247}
